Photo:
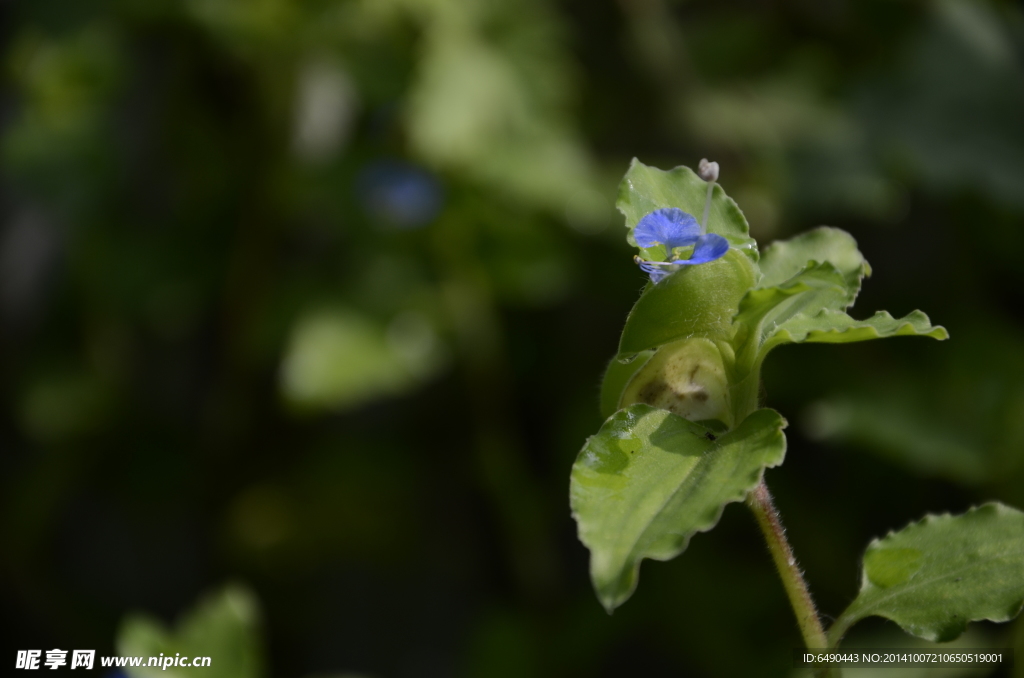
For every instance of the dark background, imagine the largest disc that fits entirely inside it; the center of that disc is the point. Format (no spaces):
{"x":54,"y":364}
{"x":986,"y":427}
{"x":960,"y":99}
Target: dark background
{"x":315,"y":296}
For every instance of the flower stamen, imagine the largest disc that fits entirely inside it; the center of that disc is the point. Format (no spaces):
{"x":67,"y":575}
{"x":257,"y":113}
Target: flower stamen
{"x":708,"y":171}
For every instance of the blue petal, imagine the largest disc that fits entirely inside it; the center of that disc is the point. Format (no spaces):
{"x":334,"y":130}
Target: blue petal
{"x":671,"y":227}
{"x":709,"y":247}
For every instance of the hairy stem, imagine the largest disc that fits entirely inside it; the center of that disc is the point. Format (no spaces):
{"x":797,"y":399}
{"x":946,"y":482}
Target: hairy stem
{"x":760,"y":502}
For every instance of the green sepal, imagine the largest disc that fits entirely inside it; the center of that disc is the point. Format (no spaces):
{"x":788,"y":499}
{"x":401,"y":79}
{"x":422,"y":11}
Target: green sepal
{"x":936,"y":575}
{"x":645,"y":189}
{"x":649,"y":480}
{"x":695,"y":301}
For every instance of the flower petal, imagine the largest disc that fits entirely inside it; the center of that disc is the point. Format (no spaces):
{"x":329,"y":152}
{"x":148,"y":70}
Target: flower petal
{"x":709,"y":247}
{"x":671,"y":227}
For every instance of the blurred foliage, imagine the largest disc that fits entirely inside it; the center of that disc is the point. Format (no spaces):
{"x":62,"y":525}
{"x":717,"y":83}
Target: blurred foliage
{"x":224,"y":625}
{"x":316,"y":296}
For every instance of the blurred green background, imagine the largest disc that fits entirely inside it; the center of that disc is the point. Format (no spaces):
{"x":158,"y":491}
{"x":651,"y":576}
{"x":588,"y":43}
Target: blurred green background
{"x":312,"y":299}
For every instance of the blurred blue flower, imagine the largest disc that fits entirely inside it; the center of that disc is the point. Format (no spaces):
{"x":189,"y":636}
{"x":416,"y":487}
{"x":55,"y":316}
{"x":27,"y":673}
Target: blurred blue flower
{"x":399,"y":194}
{"x":672,"y":227}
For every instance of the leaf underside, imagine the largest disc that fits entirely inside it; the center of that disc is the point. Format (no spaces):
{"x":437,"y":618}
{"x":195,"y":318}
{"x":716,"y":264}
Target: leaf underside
{"x":836,"y":327}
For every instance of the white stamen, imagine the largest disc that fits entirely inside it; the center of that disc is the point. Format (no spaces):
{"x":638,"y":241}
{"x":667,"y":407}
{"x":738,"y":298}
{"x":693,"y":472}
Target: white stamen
{"x":638,"y":260}
{"x":708,"y":171}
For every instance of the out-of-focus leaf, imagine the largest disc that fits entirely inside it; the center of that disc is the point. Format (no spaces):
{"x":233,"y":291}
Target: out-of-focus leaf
{"x":771,"y":113}
{"x":249,"y":27}
{"x":645,"y":189}
{"x":935,"y":576}
{"x":62,"y":407}
{"x":60,"y":139}
{"x":950,"y":105}
{"x":887,"y":423}
{"x":489,"y":101}
{"x":525,"y":259}
{"x":962,"y":420}
{"x":649,"y":480}
{"x":340,"y":358}
{"x":223,"y":626}
{"x":694,"y":301}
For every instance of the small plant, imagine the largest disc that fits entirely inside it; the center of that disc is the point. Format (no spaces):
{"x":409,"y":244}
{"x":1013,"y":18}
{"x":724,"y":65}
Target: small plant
{"x":685,"y":435}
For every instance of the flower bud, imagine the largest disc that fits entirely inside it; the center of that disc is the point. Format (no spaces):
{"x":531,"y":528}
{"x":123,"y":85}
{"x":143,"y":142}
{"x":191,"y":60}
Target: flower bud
{"x":685,"y":377}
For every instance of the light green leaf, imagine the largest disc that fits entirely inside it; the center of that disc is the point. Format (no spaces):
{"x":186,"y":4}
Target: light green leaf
{"x":616,"y":376}
{"x":818,"y":270}
{"x":489,"y":102}
{"x":695,"y":301}
{"x":223,"y":627}
{"x":645,"y":189}
{"x":935,"y":576}
{"x":817,"y":286}
{"x":784,"y":259}
{"x":339,"y":358}
{"x":835,"y":327}
{"x":649,"y":480}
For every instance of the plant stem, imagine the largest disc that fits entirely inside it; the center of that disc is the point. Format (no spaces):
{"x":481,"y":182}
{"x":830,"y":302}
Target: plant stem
{"x":760,"y":502}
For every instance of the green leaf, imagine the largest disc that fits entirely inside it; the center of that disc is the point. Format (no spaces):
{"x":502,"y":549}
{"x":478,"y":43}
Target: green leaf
{"x":806,"y":284}
{"x":338,"y":358}
{"x":784,"y":259}
{"x":649,"y":480}
{"x":616,"y":376}
{"x":835,"y":327}
{"x":695,"y":301}
{"x":645,"y":189}
{"x":223,"y":626}
{"x":816,"y":287}
{"x":817,"y":270}
{"x":926,"y":438}
{"x":935,"y":576}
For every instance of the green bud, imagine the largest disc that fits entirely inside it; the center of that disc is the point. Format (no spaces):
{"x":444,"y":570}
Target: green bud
{"x":686,"y":377}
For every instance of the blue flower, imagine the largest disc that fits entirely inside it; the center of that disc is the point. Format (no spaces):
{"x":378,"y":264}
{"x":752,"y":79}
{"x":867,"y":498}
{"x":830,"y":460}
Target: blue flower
{"x":672,"y":227}
{"x":400,"y":195}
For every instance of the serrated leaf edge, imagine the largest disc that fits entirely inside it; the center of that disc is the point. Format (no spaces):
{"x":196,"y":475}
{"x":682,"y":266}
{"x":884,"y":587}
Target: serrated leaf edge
{"x":611,"y":603}
{"x":843,"y":622}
